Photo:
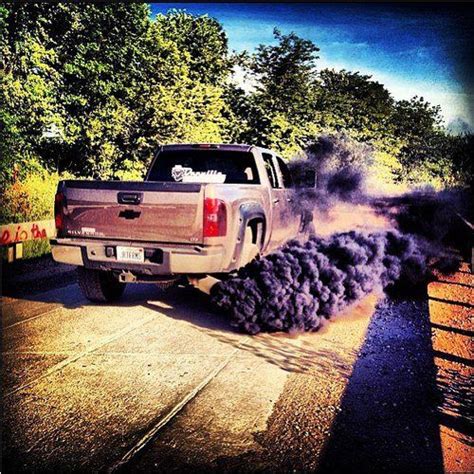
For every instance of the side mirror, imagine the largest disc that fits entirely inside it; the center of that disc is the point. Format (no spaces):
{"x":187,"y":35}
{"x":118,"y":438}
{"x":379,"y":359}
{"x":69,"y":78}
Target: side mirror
{"x":305,"y":179}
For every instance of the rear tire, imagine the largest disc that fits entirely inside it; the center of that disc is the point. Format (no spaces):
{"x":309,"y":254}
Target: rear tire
{"x":99,"y":286}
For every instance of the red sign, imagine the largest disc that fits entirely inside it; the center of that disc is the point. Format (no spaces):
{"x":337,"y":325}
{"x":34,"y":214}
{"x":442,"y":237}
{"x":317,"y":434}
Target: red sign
{"x":12,"y":233}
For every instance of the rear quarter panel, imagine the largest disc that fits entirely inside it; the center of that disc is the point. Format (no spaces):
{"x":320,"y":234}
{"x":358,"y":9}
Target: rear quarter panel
{"x":234,"y":196}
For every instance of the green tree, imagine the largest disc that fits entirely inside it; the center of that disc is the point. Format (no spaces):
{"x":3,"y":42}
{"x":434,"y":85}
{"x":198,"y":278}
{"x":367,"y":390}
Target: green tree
{"x":29,"y":105}
{"x":188,"y":103}
{"x":285,"y":74}
{"x":69,"y":64}
{"x":94,"y":88}
{"x":247,"y":119}
{"x":424,"y":153}
{"x":461,"y":149}
{"x":278,"y":112}
{"x":416,"y":118}
{"x":205,"y":41}
{"x":353,"y":102}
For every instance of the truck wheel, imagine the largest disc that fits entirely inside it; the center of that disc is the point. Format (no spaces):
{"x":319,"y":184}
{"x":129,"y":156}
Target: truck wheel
{"x":99,"y":286}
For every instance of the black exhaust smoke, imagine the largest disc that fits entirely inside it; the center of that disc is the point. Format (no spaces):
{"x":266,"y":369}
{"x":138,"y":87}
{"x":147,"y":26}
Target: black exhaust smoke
{"x":441,"y":220}
{"x":299,"y":286}
{"x":295,"y":288}
{"x":340,"y":164}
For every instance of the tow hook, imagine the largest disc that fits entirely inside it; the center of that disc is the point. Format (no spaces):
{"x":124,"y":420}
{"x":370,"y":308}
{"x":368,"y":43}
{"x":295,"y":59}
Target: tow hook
{"x":127,"y":277}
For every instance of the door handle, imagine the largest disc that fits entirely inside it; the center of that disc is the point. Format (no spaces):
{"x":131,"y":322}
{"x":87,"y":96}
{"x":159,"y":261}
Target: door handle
{"x":276,"y":201}
{"x":129,"y":198}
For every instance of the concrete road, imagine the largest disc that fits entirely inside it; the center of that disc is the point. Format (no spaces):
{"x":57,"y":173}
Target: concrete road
{"x":159,"y":382}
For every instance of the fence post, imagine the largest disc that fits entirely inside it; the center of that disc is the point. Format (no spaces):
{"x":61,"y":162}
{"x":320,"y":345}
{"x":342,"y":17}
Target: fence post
{"x":10,"y":253}
{"x":18,"y":250}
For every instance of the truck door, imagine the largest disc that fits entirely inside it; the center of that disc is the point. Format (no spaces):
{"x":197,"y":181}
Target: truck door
{"x":282,"y":227}
{"x":292,"y":214}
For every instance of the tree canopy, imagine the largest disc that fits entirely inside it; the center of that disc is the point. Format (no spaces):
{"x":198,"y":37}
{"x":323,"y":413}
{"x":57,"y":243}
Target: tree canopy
{"x":93,"y":88}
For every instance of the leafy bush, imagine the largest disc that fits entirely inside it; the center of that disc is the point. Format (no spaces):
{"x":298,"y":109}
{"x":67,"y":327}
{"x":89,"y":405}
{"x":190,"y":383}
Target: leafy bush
{"x":36,"y":248}
{"x":30,"y":198}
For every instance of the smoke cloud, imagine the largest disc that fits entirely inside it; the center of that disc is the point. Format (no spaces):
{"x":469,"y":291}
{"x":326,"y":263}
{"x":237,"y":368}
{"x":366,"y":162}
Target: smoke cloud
{"x":340,"y":164}
{"x":441,"y":222}
{"x":304,"y":283}
{"x":297,"y":287}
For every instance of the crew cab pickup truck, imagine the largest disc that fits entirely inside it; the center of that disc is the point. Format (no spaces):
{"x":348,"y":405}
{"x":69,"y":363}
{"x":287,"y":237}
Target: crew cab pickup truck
{"x":202,"y":209}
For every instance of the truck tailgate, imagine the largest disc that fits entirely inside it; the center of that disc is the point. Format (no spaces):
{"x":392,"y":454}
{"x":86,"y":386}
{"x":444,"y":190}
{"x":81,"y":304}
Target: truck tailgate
{"x":148,"y":211}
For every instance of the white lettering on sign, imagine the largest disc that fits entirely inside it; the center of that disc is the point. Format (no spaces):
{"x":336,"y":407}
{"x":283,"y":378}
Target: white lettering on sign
{"x":188,"y":175}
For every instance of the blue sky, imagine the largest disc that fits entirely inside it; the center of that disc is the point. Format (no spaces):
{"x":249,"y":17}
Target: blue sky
{"x":420,"y":50}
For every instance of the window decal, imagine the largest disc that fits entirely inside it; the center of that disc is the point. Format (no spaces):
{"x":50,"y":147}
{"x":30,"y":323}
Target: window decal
{"x":188,"y":175}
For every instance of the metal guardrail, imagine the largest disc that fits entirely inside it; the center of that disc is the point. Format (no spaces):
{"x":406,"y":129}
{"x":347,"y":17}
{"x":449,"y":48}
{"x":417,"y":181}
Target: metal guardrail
{"x":12,"y":236}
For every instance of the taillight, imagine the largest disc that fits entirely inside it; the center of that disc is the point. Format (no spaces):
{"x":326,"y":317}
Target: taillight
{"x":215,"y":218}
{"x":59,"y":203}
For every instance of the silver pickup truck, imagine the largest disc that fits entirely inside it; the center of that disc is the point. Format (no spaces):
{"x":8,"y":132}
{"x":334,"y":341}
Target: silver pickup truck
{"x":202,"y":209}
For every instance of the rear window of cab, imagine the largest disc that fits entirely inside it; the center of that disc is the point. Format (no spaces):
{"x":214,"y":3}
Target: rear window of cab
{"x":205,"y":166}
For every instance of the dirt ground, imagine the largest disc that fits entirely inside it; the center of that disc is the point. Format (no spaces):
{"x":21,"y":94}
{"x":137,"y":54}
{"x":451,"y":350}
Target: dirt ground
{"x":160,"y":382}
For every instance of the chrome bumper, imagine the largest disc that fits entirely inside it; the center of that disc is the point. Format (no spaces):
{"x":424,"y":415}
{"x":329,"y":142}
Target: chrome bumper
{"x":173,"y":259}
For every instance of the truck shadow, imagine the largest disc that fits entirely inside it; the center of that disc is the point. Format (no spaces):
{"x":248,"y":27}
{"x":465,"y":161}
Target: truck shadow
{"x":283,"y":350}
{"x":388,"y":420}
{"x":188,"y":304}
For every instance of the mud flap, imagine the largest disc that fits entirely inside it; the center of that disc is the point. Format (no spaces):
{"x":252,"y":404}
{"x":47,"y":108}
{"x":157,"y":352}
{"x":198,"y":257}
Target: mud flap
{"x":250,"y":250}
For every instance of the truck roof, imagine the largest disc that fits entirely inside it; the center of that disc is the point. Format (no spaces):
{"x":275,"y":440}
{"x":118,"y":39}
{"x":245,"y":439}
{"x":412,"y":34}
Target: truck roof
{"x":220,"y":146}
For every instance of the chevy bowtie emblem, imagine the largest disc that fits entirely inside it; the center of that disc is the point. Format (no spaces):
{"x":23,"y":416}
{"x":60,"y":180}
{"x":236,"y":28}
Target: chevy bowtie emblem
{"x":129,"y":214}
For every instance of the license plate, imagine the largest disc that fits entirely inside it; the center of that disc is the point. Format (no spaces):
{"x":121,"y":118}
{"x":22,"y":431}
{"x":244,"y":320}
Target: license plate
{"x":130,"y":254}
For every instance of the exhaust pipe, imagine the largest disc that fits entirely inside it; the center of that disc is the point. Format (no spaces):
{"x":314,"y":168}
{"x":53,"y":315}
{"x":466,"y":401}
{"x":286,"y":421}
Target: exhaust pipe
{"x":203,"y":284}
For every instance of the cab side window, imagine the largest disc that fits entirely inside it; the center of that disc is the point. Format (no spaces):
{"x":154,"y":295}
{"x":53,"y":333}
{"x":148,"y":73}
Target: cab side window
{"x":271,"y":171}
{"x":285,"y":173}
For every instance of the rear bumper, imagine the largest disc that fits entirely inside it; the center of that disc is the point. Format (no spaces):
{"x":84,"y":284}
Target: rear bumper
{"x":159,"y":259}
